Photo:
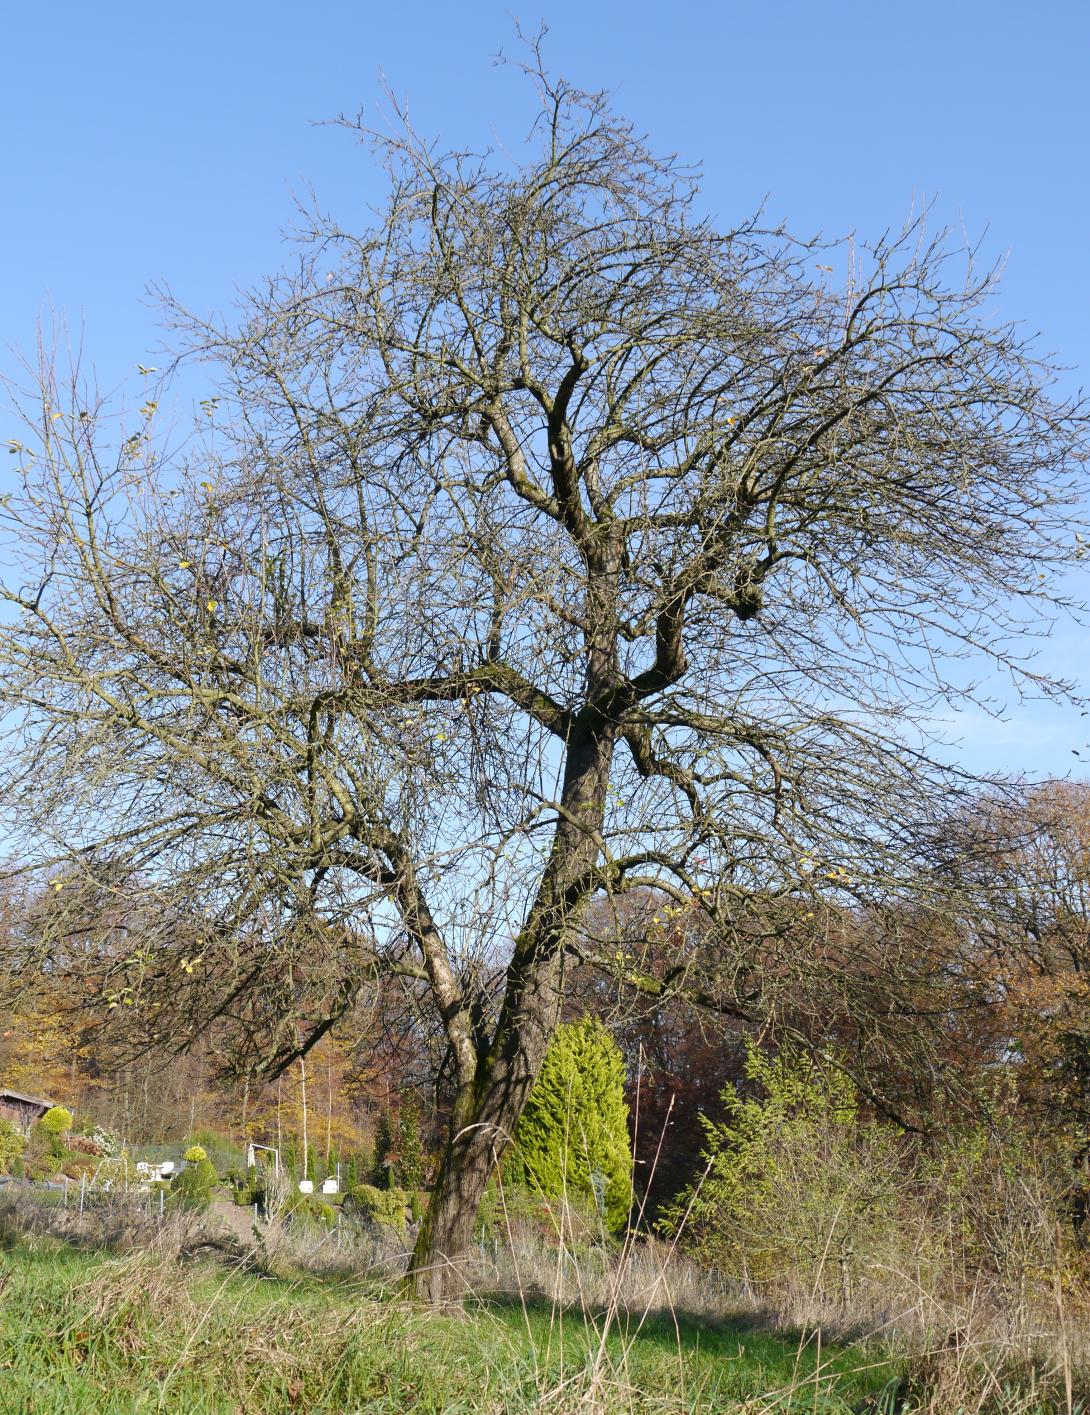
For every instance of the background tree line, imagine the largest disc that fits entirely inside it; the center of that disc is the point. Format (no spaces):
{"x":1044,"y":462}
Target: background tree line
{"x":997,"y":1033}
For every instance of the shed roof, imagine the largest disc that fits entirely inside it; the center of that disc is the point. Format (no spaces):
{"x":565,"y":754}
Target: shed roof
{"x":6,"y":1095}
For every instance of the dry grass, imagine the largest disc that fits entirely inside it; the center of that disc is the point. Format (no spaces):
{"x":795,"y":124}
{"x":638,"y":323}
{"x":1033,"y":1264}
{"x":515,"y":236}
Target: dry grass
{"x":535,"y":1294}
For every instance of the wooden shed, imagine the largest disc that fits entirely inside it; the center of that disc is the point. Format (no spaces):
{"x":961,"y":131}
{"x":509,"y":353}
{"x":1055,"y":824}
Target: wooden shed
{"x":22,"y":1110}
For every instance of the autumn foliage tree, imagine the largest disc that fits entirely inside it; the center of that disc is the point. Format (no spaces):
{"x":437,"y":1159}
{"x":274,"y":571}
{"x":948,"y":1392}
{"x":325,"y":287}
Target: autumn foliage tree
{"x":1025,"y":855}
{"x":541,"y":543}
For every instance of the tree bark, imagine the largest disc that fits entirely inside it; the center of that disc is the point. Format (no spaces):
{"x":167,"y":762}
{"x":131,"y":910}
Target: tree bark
{"x":481,"y":1129}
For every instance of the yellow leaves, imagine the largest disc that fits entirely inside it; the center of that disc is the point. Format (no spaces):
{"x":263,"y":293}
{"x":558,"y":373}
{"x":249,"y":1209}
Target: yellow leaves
{"x":188,"y":964}
{"x":57,"y":885}
{"x":146,"y":369}
{"x":440,"y":736}
{"x":184,"y":564}
{"x":149,"y":408}
{"x":212,"y":605}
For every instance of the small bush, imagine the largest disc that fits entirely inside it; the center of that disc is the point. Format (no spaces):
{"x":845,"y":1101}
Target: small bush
{"x":109,"y":1142}
{"x":12,"y":1145}
{"x":78,"y":1166}
{"x":195,"y":1185}
{"x":85,"y":1145}
{"x":382,"y":1206}
{"x":56,"y":1121}
{"x":308,"y":1209}
{"x":795,"y":1184}
{"x":195,"y":1154}
{"x":810,"y":1205}
{"x":116,"y":1172}
{"x":325,"y":1213}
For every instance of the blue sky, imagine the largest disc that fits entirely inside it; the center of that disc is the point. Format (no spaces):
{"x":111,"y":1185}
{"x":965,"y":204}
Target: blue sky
{"x":146,"y":143}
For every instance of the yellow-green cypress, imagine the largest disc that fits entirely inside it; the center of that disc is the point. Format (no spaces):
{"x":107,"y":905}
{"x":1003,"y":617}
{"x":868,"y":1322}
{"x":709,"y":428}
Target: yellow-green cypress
{"x":572,"y":1138}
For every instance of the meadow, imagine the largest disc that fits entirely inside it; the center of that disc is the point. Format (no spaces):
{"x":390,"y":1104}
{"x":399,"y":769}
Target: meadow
{"x":86,"y":1331}
{"x":114,"y":1313}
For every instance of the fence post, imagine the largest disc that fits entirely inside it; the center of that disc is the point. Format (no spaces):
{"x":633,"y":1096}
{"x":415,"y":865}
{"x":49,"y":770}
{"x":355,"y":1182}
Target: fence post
{"x":82,"y":1191}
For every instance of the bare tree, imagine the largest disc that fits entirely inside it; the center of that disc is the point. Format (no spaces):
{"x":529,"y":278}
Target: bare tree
{"x":544,"y":543}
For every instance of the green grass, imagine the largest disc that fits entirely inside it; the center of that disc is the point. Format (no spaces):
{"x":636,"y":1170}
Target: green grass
{"x":89,"y":1332}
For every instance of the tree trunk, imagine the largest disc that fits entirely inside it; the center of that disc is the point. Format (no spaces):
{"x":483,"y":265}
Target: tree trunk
{"x":481,"y":1129}
{"x":439,"y":1270}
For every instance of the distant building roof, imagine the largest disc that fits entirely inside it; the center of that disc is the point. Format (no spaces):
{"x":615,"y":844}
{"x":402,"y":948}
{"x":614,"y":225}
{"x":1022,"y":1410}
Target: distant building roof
{"x":6,"y":1095}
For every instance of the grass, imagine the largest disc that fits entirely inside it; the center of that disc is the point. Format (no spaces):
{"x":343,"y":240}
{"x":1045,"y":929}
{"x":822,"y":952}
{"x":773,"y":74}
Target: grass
{"x":84,"y":1331}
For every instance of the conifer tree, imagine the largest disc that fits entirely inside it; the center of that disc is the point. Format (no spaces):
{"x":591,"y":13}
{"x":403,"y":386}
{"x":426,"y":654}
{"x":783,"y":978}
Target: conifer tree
{"x":384,"y":1149}
{"x":411,"y":1160}
{"x":572,"y":1139}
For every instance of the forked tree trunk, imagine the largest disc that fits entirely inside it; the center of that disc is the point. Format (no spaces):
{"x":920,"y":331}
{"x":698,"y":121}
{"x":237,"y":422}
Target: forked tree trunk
{"x":483,"y":1124}
{"x":440,"y":1269}
{"x":490,"y":1101}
